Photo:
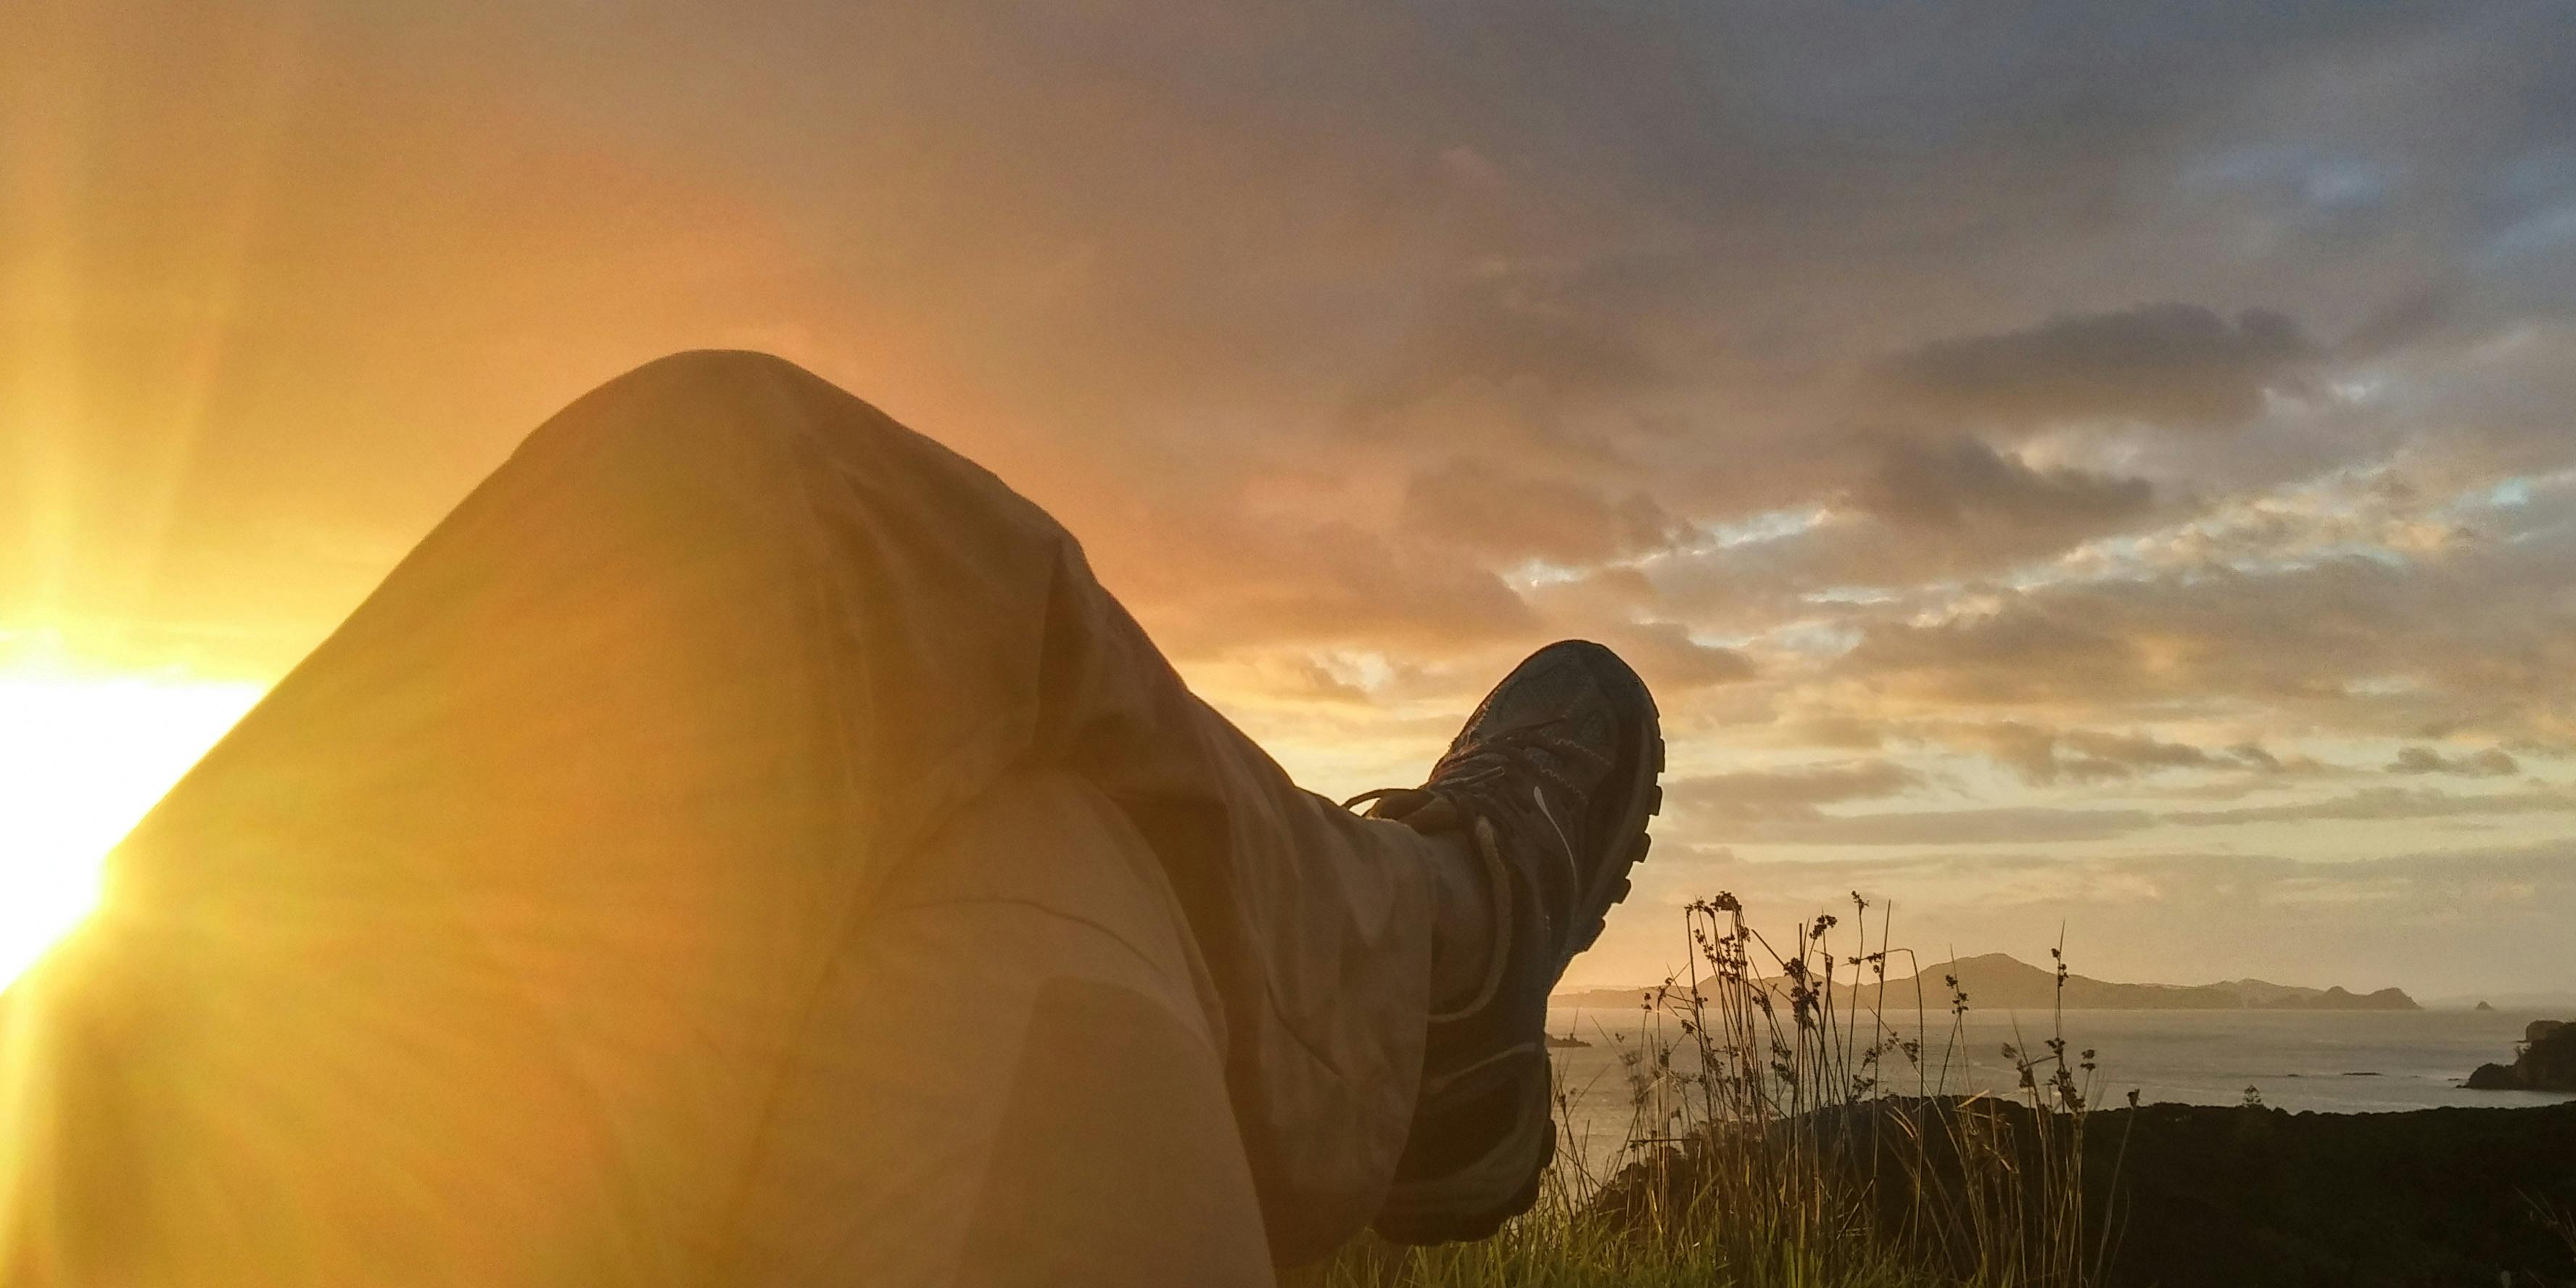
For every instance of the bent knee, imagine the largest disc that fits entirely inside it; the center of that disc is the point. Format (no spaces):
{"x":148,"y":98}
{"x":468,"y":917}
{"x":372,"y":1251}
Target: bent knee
{"x":704,"y":403}
{"x":704,"y":387}
{"x":713,"y":370}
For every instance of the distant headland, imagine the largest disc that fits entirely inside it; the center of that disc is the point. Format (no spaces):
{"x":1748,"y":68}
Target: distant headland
{"x":2000,"y":982}
{"x":2546,"y":1061}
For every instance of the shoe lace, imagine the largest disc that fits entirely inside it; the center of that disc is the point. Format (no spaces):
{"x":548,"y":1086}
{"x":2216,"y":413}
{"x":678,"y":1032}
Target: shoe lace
{"x":1482,"y":782}
{"x":1478,"y":778}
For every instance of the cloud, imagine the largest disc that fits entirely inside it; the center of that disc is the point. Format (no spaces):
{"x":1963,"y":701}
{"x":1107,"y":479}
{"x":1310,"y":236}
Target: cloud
{"x":1258,"y":585}
{"x":1509,"y":517}
{"x":2386,"y":803}
{"x":1774,"y":813}
{"x":2493,"y":762}
{"x":1788,"y":793}
{"x":1965,"y":483}
{"x":2086,"y":756}
{"x":1974,"y":826}
{"x":1670,"y":661}
{"x":2180,"y":366}
{"x":2032,"y":650}
{"x":2317,"y":639}
{"x":1539,"y":328}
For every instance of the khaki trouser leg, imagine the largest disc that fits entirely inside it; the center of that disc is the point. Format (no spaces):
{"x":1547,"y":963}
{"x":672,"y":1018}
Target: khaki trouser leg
{"x":498,"y":943}
{"x":1014,"y":1075}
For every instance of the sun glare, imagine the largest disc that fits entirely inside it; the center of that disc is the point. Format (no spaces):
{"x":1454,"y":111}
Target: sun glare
{"x":82,"y":759}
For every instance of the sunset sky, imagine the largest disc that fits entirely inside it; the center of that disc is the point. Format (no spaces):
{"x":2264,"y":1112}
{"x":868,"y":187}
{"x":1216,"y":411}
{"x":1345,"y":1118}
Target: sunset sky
{"x":2106,"y":466}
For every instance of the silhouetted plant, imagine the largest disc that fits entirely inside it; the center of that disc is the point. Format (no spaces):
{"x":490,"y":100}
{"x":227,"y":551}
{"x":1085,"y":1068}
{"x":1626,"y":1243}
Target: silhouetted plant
{"x":1783,"y":1128}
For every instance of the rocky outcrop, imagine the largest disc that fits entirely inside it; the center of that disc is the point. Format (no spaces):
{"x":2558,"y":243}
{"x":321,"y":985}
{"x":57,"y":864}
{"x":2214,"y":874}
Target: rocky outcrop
{"x":2546,"y":1061}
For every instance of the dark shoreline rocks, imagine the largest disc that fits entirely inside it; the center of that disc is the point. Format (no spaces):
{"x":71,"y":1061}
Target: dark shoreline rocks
{"x":2234,"y":1196}
{"x":2203,"y":1196}
{"x":2545,"y":1062}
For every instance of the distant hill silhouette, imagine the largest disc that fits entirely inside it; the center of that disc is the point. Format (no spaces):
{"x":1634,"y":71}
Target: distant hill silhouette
{"x":1999,"y":982}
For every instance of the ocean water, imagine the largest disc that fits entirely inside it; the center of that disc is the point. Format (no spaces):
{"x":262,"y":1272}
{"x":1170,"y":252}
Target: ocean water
{"x":2325,"y":1061}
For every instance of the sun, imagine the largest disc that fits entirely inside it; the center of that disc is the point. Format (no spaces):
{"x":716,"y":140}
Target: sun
{"x":82,"y":759}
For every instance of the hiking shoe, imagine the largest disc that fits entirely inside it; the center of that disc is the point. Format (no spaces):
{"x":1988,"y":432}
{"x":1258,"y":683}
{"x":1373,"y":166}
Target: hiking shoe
{"x":1552,"y":781}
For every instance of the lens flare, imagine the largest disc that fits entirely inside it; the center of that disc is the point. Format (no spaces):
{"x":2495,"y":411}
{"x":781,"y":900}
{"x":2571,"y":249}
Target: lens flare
{"x":82,"y":759}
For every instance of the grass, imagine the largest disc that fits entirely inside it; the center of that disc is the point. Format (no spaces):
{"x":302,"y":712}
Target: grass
{"x":1794,"y":1122}
{"x":2559,"y":1219}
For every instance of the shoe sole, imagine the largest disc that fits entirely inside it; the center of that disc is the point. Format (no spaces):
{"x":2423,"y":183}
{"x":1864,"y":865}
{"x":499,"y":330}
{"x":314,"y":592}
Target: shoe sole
{"x":1611,"y":885}
{"x":1472,"y":1202}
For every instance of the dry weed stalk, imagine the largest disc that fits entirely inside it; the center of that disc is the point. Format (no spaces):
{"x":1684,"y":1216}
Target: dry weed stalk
{"x":1775,"y":1101}
{"x":1788,"y":1125}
